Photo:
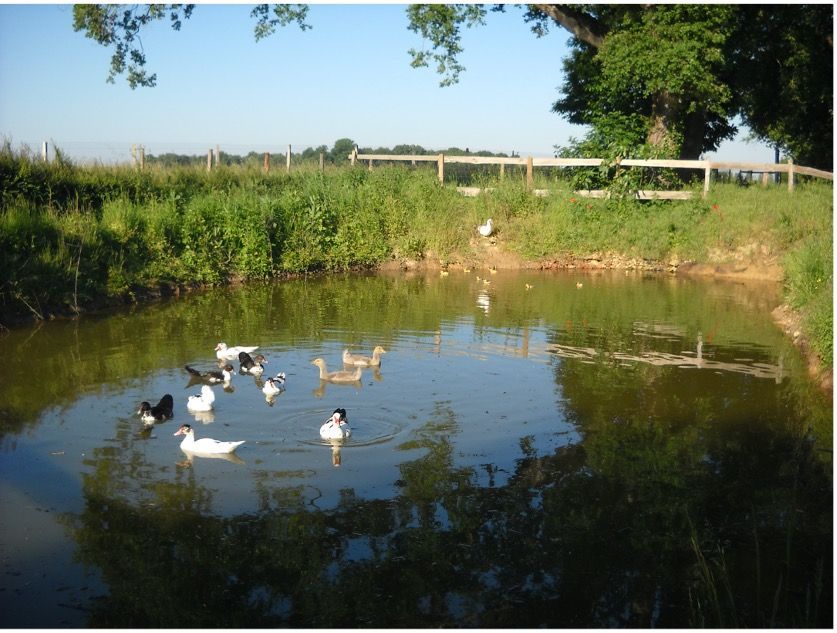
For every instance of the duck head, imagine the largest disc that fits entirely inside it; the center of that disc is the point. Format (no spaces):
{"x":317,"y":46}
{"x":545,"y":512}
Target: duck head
{"x":185,"y":429}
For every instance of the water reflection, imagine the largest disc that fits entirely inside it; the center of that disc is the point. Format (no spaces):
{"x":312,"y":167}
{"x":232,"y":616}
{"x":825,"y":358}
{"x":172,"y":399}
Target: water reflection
{"x":191,"y":455}
{"x":621,"y":456}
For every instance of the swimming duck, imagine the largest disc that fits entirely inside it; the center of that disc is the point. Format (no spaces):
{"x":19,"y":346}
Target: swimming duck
{"x":336,"y":427}
{"x":213,"y":376}
{"x":161,"y":411}
{"x":203,"y":401}
{"x":364,"y":361}
{"x":250,"y":365}
{"x":486,"y":229}
{"x":222,"y":352}
{"x":205,"y":444}
{"x":337,"y":376}
{"x":272,"y":386}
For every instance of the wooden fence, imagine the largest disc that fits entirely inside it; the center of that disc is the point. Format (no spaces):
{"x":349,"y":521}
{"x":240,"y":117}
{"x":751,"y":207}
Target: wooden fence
{"x":707,"y":166}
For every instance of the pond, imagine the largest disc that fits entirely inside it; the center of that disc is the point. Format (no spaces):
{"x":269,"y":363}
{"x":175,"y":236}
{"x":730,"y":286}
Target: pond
{"x":537,"y":449}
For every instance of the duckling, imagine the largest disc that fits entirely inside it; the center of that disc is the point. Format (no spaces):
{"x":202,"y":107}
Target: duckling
{"x":364,"y":361}
{"x":336,"y":376}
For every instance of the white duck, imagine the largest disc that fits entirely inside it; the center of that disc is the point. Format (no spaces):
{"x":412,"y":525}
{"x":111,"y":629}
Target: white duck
{"x":272,"y":386}
{"x":203,"y":401}
{"x":205,"y":444}
{"x":222,"y":352}
{"x":337,"y":376}
{"x":336,"y":427}
{"x":364,"y":361}
{"x":486,"y":229}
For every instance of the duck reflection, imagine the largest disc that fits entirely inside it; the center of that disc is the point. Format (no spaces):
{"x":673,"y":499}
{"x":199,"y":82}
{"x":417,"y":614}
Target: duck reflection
{"x":204,"y":417}
{"x":319,"y":392}
{"x":484,"y":301}
{"x":190,"y":458}
{"x":336,"y":457}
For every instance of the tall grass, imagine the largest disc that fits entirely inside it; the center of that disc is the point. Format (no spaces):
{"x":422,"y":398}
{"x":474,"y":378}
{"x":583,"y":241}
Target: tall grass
{"x":71,"y":235}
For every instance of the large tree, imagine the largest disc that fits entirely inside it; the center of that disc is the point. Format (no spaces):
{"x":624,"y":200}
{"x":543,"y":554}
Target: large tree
{"x":671,"y":77}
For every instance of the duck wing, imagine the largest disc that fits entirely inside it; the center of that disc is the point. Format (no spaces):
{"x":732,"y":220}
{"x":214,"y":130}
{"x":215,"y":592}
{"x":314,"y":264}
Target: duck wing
{"x":166,"y":406}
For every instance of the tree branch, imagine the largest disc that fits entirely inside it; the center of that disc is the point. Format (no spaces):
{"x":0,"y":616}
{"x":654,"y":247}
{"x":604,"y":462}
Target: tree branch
{"x":582,"y":25}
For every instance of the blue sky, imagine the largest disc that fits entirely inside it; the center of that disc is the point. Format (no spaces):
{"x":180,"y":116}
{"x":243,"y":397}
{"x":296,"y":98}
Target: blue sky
{"x":348,"y":76}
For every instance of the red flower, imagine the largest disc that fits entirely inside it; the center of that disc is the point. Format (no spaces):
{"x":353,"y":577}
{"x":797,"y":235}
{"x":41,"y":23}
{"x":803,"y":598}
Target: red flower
{"x":573,"y":200}
{"x":714,"y":207}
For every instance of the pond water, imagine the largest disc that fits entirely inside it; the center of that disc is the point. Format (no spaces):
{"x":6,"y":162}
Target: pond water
{"x":537,"y":449}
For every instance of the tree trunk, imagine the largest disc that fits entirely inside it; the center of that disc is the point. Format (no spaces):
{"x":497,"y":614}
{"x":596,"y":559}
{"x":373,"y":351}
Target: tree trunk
{"x":693,"y":136}
{"x":664,"y":109}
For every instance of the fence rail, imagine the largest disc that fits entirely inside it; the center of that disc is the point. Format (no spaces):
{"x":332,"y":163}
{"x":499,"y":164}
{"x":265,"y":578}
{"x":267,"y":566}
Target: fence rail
{"x":530,"y":162}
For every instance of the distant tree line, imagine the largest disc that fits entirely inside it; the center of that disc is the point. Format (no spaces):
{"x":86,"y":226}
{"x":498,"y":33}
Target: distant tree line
{"x":337,"y":155}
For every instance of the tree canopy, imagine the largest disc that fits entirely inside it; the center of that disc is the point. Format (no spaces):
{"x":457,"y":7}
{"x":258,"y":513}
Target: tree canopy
{"x":651,"y":79}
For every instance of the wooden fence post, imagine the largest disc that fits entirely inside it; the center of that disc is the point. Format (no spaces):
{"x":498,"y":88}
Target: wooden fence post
{"x":266,"y":166}
{"x":288,"y":160}
{"x":530,"y":176}
{"x":441,"y":168}
{"x":209,"y":160}
{"x":142,"y":157}
{"x":370,"y":164}
{"x":502,"y":170}
{"x":707,"y":178}
{"x":790,"y":175}
{"x":45,"y":152}
{"x":217,"y":155}
{"x":354,"y":156}
{"x":322,"y":162}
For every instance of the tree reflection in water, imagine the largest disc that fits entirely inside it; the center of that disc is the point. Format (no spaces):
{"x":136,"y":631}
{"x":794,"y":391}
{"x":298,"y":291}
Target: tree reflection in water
{"x":638,"y":527}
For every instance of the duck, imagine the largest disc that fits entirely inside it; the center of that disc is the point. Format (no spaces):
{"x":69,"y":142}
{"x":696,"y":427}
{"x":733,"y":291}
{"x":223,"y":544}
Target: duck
{"x":205,"y":444}
{"x":337,"y":376}
{"x":204,"y":401}
{"x":160,"y":412}
{"x":364,"y":361}
{"x":486,"y":229}
{"x":272,"y":386}
{"x":222,"y":352}
{"x":336,"y":427}
{"x":250,"y":365}
{"x":213,"y":376}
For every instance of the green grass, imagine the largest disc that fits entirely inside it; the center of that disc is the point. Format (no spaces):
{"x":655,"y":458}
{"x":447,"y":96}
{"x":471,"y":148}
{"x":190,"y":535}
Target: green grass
{"x":70,"y":235}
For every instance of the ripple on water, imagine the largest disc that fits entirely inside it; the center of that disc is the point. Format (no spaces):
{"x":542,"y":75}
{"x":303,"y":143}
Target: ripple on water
{"x":369,"y":426}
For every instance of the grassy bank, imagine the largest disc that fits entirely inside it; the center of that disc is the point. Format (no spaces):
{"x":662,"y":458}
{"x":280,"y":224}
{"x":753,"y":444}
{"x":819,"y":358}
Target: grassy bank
{"x":73,"y":237}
